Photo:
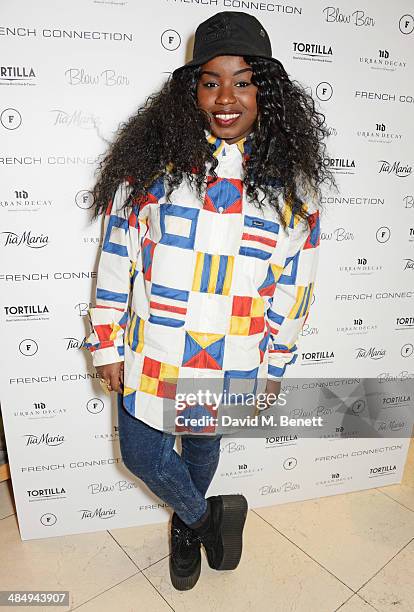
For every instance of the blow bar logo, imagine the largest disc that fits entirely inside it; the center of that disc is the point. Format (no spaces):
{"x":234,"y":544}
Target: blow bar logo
{"x":358,"y":18}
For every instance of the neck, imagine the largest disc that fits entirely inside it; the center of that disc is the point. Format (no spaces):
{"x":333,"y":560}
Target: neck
{"x":237,"y":138}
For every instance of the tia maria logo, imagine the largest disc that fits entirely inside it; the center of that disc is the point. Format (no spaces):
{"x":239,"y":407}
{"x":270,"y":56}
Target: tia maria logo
{"x":33,"y":241}
{"x":74,"y":343}
{"x":76,"y":118}
{"x":395,"y":167}
{"x":371,"y":353}
{"x":97,"y":513}
{"x":44,"y":438}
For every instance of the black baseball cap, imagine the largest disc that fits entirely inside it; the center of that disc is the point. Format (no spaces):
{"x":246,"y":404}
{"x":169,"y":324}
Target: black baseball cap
{"x":230,"y":33}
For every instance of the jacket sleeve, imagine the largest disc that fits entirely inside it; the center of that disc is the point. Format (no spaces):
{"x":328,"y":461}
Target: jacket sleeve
{"x":293,"y":289}
{"x":118,"y":256}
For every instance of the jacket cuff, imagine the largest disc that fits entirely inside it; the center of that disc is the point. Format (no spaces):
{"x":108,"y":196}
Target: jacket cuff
{"x":276,"y":367}
{"x":107,"y":355}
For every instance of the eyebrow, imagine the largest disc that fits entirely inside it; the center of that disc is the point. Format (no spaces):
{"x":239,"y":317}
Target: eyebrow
{"x":216,"y":74}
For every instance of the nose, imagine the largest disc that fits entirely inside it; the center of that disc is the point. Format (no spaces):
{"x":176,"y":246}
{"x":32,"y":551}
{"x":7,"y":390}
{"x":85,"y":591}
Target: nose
{"x":225,"y":95}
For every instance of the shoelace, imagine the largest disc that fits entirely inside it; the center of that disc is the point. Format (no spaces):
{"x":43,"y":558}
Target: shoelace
{"x":186,"y":536}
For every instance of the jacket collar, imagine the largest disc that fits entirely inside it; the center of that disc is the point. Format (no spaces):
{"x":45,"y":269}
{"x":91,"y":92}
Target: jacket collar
{"x":244,"y":145}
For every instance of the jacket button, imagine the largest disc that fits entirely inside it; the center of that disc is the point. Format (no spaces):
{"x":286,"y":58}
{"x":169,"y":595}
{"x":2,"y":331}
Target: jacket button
{"x":220,"y":209}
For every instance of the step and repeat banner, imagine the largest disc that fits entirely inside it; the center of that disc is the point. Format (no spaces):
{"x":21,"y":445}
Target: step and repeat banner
{"x":70,"y":72}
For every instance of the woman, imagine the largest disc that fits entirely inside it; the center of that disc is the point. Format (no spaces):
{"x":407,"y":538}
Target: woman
{"x":207,"y":268}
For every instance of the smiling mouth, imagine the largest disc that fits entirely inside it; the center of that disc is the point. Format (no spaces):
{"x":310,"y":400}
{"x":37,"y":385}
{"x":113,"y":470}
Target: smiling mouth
{"x":226,"y":119}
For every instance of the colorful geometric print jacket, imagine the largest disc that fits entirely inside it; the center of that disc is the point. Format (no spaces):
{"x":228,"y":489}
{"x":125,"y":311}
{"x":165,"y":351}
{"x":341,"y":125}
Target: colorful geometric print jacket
{"x":200,"y":288}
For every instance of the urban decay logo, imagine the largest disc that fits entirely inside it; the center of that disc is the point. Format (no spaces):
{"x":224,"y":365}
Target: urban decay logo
{"x":379,"y":134}
{"x":358,"y":327}
{"x":383,"y":61}
{"x":361,"y":267}
{"x":335,"y":479}
{"x":21,"y":201}
{"x":242,"y":470}
{"x":39,"y":410}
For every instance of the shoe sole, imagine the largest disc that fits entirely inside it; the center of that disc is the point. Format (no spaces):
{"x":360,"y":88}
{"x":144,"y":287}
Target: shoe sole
{"x":184,"y":583}
{"x":234,"y":517}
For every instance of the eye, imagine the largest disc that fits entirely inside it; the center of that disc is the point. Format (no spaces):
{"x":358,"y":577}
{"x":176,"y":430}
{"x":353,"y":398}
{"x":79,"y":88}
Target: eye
{"x":210,"y":84}
{"x":243,"y":84}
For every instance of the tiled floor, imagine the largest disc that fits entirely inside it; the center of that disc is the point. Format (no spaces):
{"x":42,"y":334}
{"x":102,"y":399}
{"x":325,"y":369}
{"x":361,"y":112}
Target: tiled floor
{"x":347,"y":553}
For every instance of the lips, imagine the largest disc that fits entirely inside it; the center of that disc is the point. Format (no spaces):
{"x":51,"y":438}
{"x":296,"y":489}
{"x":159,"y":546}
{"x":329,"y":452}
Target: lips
{"x":225,"y":119}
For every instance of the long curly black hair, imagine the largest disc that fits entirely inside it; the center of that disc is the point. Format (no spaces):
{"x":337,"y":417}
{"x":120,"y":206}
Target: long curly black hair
{"x":166,"y":137}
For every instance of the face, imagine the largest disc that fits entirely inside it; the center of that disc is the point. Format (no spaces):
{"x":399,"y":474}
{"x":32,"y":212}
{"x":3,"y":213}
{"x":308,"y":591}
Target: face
{"x":225,"y":92}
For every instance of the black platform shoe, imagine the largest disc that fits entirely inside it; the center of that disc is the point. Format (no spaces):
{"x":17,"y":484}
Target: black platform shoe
{"x":185,"y":559}
{"x":222,"y":532}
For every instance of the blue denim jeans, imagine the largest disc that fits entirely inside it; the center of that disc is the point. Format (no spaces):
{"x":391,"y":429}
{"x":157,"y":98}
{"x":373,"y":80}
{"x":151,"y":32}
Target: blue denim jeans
{"x":179,"y":480}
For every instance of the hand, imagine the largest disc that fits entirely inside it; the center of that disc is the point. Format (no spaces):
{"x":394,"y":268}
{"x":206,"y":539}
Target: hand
{"x":272,"y":389}
{"x":113,"y":374}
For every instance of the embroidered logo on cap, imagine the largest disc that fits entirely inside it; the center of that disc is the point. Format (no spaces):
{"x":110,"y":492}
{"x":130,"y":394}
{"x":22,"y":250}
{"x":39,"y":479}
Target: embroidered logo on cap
{"x":218,"y":31}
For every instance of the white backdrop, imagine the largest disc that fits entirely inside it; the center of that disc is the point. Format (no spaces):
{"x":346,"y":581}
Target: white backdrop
{"x":70,"y":72}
